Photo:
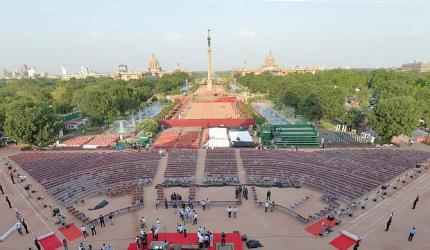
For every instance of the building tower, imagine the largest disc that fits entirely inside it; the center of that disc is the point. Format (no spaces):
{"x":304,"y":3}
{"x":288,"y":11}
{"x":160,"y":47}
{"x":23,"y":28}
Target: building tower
{"x":209,"y":80}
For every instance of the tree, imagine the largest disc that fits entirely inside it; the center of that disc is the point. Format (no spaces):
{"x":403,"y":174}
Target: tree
{"x":394,"y":116}
{"x":311,"y":108}
{"x":149,"y":126}
{"x":354,"y":117}
{"x":30,"y":122}
{"x":97,"y":104}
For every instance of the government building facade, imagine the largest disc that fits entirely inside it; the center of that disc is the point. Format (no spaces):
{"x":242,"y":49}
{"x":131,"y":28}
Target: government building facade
{"x":270,"y":66}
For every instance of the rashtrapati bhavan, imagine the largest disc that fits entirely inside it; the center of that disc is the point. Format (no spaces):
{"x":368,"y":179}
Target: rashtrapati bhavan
{"x":270,"y":65}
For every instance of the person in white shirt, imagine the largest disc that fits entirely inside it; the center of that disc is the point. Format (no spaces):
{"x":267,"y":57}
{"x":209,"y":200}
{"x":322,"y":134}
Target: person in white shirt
{"x":142,"y":223}
{"x":234,"y":212}
{"x":195,"y":219}
{"x":158,"y":223}
{"x":207,"y":203}
{"x":211,"y":239}
{"x":84,"y":231}
{"x":201,"y":241}
{"x":266,"y":206}
{"x":229,"y":210}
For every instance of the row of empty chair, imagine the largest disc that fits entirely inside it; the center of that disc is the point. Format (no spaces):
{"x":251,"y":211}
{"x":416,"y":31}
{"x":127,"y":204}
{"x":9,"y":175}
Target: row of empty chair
{"x":70,"y":177}
{"x":341,"y":138}
{"x":220,"y":167}
{"x":181,"y":168}
{"x":347,"y":174}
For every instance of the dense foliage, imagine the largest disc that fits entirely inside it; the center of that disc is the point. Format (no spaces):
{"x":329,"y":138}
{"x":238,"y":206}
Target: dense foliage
{"x":401,"y":97}
{"x":148,"y":126}
{"x":102,"y":99}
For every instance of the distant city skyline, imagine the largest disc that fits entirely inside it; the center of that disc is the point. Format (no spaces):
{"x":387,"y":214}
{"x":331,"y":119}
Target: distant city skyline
{"x":101,"y":35}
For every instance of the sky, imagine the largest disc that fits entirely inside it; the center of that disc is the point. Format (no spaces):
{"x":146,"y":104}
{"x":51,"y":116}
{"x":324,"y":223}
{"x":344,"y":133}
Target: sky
{"x":101,"y":34}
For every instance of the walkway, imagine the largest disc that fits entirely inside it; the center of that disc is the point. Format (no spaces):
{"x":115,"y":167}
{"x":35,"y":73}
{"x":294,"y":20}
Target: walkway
{"x":200,"y":168}
{"x":240,"y":169}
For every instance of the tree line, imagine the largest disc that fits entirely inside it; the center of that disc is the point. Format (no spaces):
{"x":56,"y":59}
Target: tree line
{"x":400,"y":99}
{"x":30,"y":109}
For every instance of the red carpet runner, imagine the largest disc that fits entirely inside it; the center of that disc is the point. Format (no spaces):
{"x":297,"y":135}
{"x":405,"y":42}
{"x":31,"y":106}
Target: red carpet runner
{"x":50,"y":243}
{"x":317,"y":227}
{"x":71,"y":233}
{"x":342,"y":242}
{"x":192,"y":239}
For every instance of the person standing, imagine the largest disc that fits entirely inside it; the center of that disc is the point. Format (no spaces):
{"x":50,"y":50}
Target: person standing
{"x":211,"y":239}
{"x":143,"y":223}
{"x":90,"y":247}
{"x":389,"y":222}
{"x":234,"y":212}
{"x":25,"y":226}
{"x":18,"y":228}
{"x":84,"y":231}
{"x":412,"y":234}
{"x":8,"y":201}
{"x":18,"y":217}
{"x":156,"y":231}
{"x":223,"y":239}
{"x":144,"y":240}
{"x":65,"y":244}
{"x":111,"y":218}
{"x":93,"y":229}
{"x":266,"y":206}
{"x":36,"y":243}
{"x":138,"y":242}
{"x":153,"y":231}
{"x":229,"y":210}
{"x":268,"y":194}
{"x":195,"y":218}
{"x":416,"y":201}
{"x":1,"y":189}
{"x":184,"y":229}
{"x":102,"y":221}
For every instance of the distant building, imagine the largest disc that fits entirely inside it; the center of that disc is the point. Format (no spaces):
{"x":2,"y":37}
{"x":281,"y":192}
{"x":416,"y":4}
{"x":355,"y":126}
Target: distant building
{"x":416,"y":66}
{"x":84,"y":71}
{"x":154,"y":68}
{"x":270,"y":66}
{"x":64,"y":71}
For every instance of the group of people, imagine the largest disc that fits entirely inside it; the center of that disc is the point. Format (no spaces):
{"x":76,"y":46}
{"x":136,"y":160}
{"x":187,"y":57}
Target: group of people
{"x":241,"y":191}
{"x":90,"y":247}
{"x":20,"y":221}
{"x":142,"y":239}
{"x":92,"y":226}
{"x":20,"y":224}
{"x":413,"y":231}
{"x":205,"y":238}
{"x":186,"y":214}
{"x":232,"y":211}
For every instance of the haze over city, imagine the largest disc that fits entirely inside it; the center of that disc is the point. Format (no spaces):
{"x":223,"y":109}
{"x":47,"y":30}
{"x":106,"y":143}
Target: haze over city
{"x":103,"y":34}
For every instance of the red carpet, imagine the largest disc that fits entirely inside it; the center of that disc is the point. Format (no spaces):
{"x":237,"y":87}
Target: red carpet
{"x":316,"y":228}
{"x":50,"y":243}
{"x":71,"y":233}
{"x":192,"y":239}
{"x":342,"y":242}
